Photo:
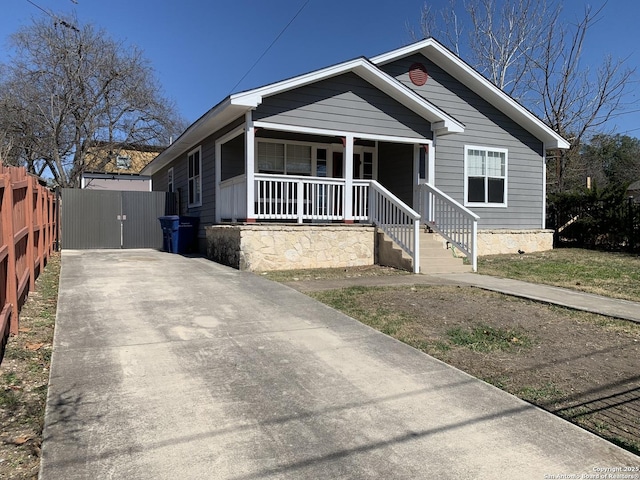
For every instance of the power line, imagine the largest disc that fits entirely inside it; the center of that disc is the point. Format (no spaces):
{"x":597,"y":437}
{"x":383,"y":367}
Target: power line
{"x":55,"y":17}
{"x":269,"y":47}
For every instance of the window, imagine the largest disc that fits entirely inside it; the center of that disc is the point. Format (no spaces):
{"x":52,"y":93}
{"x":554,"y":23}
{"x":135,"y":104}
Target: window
{"x":286,"y":158}
{"x":485,"y":176}
{"x":123,"y":162}
{"x":195,"y":178}
{"x":170,"y":180}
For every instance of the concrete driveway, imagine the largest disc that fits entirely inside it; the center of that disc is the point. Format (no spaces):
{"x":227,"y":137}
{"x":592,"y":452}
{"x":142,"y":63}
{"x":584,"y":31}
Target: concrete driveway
{"x":173,"y":367}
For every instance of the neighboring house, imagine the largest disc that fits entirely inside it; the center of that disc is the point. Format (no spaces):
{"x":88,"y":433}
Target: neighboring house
{"x":414,"y":136}
{"x":117,"y":167}
{"x":112,"y":181}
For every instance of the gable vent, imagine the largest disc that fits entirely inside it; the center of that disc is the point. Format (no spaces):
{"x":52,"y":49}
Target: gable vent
{"x":418,"y":74}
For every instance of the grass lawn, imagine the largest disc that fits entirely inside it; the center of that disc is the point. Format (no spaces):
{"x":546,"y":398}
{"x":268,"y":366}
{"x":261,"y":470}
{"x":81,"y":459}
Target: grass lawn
{"x":615,"y":275}
{"x":580,"y":366}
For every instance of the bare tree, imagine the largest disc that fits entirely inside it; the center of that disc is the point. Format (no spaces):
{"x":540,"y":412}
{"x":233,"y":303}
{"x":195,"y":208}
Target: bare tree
{"x":526,"y":49}
{"x":497,"y":38}
{"x":573,"y":99}
{"x":70,"y":89}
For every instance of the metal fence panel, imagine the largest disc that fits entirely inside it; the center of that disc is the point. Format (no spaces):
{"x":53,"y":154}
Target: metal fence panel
{"x":141,"y":228}
{"x":112,"y":219}
{"x":90,"y":219}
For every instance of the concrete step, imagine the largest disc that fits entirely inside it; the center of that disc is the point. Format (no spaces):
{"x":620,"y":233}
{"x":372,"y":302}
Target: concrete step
{"x":435,"y":258}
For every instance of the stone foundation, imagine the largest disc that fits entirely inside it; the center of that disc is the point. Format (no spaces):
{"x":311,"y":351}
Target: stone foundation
{"x":260,"y":247}
{"x":494,"y":242}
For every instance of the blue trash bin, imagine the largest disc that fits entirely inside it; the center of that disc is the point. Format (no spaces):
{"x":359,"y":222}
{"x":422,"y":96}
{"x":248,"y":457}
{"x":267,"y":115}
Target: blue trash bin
{"x":170,"y":226}
{"x":187,"y":234}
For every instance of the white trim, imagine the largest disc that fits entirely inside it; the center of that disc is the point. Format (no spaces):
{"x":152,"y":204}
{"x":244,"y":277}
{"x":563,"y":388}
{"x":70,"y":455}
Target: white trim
{"x":239,"y":130}
{"x":348,"y":178}
{"x":462,"y":72}
{"x":544,"y":190}
{"x":250,"y":158}
{"x":199,"y":202}
{"x":171,"y":175}
{"x":330,"y":148}
{"x":236,"y":132}
{"x":368,"y":72}
{"x":485,"y":148}
{"x":338,"y":133}
{"x":431,"y":175}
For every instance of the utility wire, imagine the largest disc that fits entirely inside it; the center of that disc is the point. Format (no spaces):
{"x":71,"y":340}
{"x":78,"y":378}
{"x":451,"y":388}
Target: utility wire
{"x":269,"y":47}
{"x":55,"y":17}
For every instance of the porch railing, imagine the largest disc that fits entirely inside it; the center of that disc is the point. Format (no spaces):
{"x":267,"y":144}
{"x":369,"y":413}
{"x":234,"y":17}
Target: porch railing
{"x":397,"y":220}
{"x":454,"y":222}
{"x":300,"y":198}
{"x":292,"y":197}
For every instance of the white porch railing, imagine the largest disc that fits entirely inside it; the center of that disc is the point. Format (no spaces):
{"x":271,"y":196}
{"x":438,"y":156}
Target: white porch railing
{"x":290,"y":197}
{"x":454,"y":222}
{"x":397,"y":220}
{"x":300,"y":198}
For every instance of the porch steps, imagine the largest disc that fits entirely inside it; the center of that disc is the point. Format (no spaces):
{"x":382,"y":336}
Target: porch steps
{"x":435,"y":256}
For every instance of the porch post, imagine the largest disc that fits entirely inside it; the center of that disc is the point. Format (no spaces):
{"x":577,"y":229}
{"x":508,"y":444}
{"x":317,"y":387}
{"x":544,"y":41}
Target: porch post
{"x":431,"y":161}
{"x":218,"y":169}
{"x":249,"y":158}
{"x":348,"y":179}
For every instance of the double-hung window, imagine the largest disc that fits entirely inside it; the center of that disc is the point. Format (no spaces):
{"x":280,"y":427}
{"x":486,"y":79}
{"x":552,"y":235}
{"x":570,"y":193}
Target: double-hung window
{"x":285,"y":158}
{"x":170,"y":180}
{"x":485,"y":171}
{"x":195,"y":177}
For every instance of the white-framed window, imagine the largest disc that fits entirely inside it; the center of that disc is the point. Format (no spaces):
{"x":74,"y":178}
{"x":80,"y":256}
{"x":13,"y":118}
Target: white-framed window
{"x":195,"y":177}
{"x":123,"y":162}
{"x":485,"y":176}
{"x":170,"y":180}
{"x":285,"y":158}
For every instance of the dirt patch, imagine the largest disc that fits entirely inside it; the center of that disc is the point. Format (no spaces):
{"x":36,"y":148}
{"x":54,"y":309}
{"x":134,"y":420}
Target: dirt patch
{"x":581,"y":366}
{"x":24,"y":378}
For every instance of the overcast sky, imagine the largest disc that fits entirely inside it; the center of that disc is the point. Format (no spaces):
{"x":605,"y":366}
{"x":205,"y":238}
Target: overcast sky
{"x":200,"y":50}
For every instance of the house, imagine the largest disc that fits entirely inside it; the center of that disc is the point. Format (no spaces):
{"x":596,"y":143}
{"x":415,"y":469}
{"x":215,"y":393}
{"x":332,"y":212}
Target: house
{"x":312,"y":170}
{"x":117,"y":167}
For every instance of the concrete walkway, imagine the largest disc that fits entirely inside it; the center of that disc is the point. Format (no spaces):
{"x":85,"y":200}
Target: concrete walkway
{"x":172,"y":367}
{"x":611,"y":307}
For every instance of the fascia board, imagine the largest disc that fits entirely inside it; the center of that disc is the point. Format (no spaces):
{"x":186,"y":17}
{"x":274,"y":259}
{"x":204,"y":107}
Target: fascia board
{"x":458,"y":69}
{"x":211,"y":121}
{"x":253,"y":98}
{"x":367,"y":71}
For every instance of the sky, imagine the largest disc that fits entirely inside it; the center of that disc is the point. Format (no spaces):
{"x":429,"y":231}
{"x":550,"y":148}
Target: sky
{"x":201,"y":49}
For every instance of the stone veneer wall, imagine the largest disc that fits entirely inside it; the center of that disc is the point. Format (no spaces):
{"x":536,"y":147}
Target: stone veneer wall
{"x":493,"y":242}
{"x":263,"y":247}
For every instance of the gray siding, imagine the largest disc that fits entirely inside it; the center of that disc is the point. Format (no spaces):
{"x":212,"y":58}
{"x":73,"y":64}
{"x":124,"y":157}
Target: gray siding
{"x":484,"y":126}
{"x":345,"y":103}
{"x":206,"y":212}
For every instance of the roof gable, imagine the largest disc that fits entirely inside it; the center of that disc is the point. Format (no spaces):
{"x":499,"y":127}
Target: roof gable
{"x":457,"y":68}
{"x":442,"y":123}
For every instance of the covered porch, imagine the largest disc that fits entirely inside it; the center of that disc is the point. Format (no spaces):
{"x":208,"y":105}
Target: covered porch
{"x":286,"y":174}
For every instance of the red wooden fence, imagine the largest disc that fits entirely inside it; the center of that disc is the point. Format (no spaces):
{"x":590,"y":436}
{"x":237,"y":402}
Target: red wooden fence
{"x":27,"y":238}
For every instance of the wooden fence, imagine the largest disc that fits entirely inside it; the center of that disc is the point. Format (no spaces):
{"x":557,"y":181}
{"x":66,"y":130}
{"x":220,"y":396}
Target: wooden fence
{"x":27,"y":238}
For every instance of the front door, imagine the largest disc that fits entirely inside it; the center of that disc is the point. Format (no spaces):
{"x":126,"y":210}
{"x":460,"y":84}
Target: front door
{"x":364,"y":167}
